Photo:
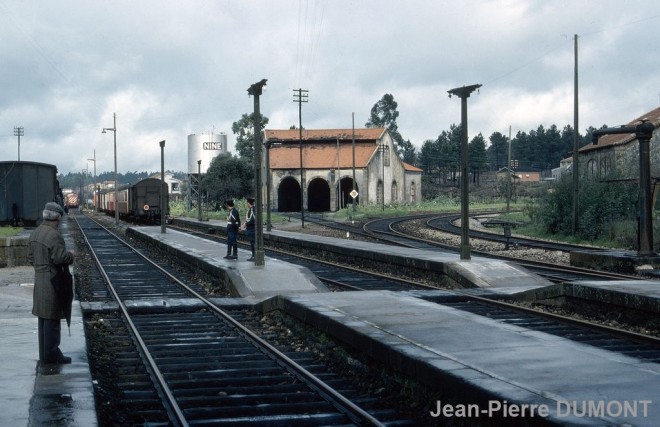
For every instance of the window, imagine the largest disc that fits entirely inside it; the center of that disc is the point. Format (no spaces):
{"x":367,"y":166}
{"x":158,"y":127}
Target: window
{"x":605,"y":166}
{"x":591,"y":168}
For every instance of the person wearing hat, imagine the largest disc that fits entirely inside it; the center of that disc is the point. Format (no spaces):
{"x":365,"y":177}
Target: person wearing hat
{"x":233,"y":223}
{"x":47,"y":253}
{"x":250,"y":220}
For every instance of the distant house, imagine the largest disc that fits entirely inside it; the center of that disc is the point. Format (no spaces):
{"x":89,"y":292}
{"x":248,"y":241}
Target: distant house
{"x":173,"y":184}
{"x":333,"y":168}
{"x":520,"y":175}
{"x":620,"y":153}
{"x":565,"y":166}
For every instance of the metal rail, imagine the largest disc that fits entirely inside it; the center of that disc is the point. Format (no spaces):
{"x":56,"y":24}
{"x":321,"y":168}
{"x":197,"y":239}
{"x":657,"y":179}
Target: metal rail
{"x":341,"y":404}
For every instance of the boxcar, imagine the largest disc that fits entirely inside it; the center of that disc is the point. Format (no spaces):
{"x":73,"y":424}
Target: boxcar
{"x":25,"y":189}
{"x":138,"y":202}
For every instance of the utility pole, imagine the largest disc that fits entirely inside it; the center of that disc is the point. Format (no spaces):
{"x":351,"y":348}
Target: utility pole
{"x":96,"y":209}
{"x":354,"y":192}
{"x":508,"y":180}
{"x":18,"y":131}
{"x":464,"y":93}
{"x":575,"y":141}
{"x":163,"y":186}
{"x":300,"y":98}
{"x":256,"y":90}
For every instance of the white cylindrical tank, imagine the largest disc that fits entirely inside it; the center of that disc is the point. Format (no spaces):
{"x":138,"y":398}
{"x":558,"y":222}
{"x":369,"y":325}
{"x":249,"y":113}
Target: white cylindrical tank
{"x":204,"y":147}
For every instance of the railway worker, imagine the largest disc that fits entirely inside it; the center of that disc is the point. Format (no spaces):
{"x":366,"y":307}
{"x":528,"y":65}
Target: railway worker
{"x":47,"y":253}
{"x":250,"y":221}
{"x":233,"y":224}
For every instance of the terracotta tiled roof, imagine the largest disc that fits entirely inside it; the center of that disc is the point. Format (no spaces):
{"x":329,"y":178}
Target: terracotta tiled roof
{"x":323,"y":134}
{"x":320,"y":147}
{"x":653,"y":116}
{"x":321,"y":155}
{"x":411,"y":168}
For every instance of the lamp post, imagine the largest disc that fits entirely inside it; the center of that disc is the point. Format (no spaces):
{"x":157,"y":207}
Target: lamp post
{"x":18,"y":131}
{"x":162,"y":186}
{"x":256,"y":90}
{"x":96,"y":209}
{"x":82,"y":188}
{"x":199,"y":190}
{"x":464,"y":93}
{"x":382,"y":160}
{"x":114,"y":132}
{"x":300,"y":98}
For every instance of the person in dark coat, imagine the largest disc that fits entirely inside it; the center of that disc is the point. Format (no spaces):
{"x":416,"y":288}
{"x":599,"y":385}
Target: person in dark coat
{"x":233,"y":224}
{"x":47,"y":253}
{"x":250,"y":221}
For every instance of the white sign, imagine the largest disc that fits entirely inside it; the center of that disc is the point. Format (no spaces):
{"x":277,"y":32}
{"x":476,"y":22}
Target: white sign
{"x":353,"y":194}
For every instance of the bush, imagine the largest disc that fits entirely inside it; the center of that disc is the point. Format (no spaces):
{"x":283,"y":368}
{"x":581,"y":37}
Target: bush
{"x":605,"y":208}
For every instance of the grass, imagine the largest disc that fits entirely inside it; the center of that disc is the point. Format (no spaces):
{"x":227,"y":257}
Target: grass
{"x":619,"y":238}
{"x":9,"y":231}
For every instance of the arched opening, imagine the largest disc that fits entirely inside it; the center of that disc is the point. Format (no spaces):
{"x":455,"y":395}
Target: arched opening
{"x":318,"y":195}
{"x":288,"y":195}
{"x":344,"y":192}
{"x":394,"y":192}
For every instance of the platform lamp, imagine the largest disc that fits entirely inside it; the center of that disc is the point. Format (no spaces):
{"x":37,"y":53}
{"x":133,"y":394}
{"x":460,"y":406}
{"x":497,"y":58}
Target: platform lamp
{"x":96,"y":209}
{"x":114,"y":132}
{"x":464,"y":93}
{"x":162,"y":186}
{"x":199,"y":190}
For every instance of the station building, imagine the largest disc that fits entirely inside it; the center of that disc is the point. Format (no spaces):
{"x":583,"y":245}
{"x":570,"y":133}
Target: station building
{"x":336,"y":162}
{"x":620,"y":152}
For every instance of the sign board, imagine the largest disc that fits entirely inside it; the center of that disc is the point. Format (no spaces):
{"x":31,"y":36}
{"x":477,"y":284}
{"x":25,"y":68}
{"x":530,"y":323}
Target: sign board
{"x":353,"y":194}
{"x":212,"y":145}
{"x":145,"y":207}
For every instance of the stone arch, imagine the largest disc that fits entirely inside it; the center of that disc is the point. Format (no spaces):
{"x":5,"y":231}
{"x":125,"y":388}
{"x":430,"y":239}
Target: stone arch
{"x":318,"y":195}
{"x":344,"y":192}
{"x":288,"y":195}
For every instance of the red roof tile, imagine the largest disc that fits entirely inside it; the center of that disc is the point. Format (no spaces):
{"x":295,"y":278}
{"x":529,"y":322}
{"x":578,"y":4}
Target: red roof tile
{"x":323,"y":134}
{"x":653,"y":116}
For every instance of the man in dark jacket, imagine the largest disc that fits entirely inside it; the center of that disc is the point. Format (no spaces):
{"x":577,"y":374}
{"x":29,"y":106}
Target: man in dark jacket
{"x":47,"y":253}
{"x":233,"y":224}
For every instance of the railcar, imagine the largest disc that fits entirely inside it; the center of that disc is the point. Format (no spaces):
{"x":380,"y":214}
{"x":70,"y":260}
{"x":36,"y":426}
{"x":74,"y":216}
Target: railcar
{"x":71,"y":200}
{"x":137,"y":202}
{"x":25,"y":188}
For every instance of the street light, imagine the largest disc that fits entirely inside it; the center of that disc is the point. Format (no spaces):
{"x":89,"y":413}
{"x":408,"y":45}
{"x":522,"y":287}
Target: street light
{"x":82,"y":188}
{"x":114,"y":132}
{"x":162,"y":186}
{"x":96,"y":209}
{"x":199,"y":190}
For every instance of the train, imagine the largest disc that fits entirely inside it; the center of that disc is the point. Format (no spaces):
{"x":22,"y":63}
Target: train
{"x":138,"y":202}
{"x":71,"y":200}
{"x":25,"y":188}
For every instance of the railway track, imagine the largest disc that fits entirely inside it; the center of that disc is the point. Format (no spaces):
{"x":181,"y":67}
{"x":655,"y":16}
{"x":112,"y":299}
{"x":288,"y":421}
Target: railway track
{"x":341,"y":276}
{"x":193,"y":363}
{"x":391,"y":231}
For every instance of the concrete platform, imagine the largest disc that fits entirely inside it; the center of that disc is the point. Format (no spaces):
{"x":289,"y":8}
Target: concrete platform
{"x":30,"y":394}
{"x":478,"y":272}
{"x":499,"y":369}
{"x":245,"y":279}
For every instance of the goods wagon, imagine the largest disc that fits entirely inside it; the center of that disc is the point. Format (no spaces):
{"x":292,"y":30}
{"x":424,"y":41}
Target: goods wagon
{"x":139,"y":201}
{"x":25,"y":189}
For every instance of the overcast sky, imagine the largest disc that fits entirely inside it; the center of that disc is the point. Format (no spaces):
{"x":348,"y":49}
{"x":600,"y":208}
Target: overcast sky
{"x":172,"y":68}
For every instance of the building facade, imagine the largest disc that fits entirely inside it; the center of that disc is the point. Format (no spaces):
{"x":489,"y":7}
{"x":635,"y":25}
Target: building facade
{"x":337,"y":164}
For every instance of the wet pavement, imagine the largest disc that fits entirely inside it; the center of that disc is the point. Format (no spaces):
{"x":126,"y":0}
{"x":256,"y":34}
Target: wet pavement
{"x":30,"y":394}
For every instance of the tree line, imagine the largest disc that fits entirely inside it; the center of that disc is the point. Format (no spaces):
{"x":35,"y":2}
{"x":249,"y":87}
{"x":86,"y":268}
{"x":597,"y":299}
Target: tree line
{"x":540,"y":149}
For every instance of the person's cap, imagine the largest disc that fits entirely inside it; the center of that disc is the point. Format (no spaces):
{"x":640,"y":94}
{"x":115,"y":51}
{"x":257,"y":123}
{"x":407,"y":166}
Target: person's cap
{"x":229,"y":202}
{"x":54,"y":207}
{"x":250,"y":200}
